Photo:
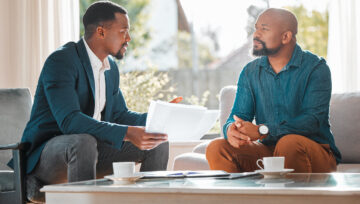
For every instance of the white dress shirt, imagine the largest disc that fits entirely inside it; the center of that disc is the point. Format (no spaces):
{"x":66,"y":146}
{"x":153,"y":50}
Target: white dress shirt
{"x":98,"y":69}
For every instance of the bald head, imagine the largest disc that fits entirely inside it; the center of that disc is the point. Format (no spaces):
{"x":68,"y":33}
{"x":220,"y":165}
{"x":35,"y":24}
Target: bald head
{"x":275,"y":30}
{"x":285,"y":20}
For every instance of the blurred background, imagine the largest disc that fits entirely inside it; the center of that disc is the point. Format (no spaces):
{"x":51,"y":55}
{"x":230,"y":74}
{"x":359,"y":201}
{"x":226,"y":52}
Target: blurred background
{"x":189,"y":48}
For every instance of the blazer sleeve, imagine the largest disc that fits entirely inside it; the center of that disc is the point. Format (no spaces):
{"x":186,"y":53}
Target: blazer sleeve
{"x":59,"y":79}
{"x":122,"y":115}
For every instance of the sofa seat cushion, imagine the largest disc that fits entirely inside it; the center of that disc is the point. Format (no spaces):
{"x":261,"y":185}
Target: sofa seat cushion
{"x":191,"y":161}
{"x":348,"y":168}
{"x":6,"y":181}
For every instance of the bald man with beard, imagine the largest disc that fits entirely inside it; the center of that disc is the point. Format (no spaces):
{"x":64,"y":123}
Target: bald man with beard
{"x":287,"y":90}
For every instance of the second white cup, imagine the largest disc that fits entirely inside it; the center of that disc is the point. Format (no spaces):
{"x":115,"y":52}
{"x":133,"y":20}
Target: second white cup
{"x":271,"y":163}
{"x":123,"y":169}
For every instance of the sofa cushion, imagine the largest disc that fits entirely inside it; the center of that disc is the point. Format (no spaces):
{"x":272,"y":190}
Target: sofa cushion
{"x":191,"y":161}
{"x":348,"y":168}
{"x":15,"y":107}
{"x":344,"y":120}
{"x":201,"y":148}
{"x":6,"y":181}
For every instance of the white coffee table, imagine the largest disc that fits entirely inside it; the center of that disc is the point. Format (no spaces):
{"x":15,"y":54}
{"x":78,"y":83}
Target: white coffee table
{"x":337,"y":188}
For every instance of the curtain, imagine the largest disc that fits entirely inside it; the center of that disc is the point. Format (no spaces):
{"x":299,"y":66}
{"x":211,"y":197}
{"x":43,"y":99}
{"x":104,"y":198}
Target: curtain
{"x":344,"y":45}
{"x":31,"y":30}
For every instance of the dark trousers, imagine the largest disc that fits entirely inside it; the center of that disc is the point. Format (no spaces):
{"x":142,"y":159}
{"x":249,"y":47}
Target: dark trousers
{"x":79,"y":157}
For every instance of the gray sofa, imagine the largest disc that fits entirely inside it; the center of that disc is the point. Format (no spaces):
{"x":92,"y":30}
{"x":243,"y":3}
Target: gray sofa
{"x":345,"y":125}
{"x":15,"y":107}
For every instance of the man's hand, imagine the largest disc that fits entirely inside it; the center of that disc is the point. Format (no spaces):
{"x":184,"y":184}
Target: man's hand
{"x":247,"y":128}
{"x":142,"y":139}
{"x":176,"y":100}
{"x":235,"y":137}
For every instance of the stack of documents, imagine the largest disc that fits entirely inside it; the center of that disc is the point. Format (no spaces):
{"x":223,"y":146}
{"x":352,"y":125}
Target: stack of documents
{"x":180,"y":122}
{"x":184,"y":174}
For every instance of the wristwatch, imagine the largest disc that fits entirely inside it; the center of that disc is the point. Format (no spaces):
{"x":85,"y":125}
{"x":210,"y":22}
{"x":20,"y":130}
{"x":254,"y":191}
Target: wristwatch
{"x":263,"y":130}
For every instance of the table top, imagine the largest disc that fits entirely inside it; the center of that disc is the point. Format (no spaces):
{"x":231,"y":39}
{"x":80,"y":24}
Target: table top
{"x":293,"y":183}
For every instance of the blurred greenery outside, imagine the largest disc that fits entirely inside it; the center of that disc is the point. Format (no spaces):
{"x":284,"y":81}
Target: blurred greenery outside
{"x":312,"y":30}
{"x":140,"y":87}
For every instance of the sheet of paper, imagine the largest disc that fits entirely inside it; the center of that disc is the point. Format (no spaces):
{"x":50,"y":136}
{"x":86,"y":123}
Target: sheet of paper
{"x":207,"y":121}
{"x":181,"y":122}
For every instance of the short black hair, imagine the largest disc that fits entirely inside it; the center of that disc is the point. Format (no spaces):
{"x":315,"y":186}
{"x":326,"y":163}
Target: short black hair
{"x":99,"y":12}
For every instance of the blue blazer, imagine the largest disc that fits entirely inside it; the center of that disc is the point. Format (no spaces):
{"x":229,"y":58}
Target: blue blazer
{"x":64,"y":103}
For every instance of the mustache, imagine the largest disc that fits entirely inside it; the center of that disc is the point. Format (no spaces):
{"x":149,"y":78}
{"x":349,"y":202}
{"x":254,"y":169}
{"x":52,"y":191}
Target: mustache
{"x":260,"y":41}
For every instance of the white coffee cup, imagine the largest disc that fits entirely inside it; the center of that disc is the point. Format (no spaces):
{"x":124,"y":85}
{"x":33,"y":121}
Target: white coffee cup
{"x":271,"y":163}
{"x":123,"y":169}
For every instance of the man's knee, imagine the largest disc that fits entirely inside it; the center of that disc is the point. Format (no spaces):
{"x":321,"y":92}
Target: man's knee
{"x":161,"y":152}
{"x":163,"y":148}
{"x":214,"y":148}
{"x":83,"y":144}
{"x":289,"y":145}
{"x":84,"y":140}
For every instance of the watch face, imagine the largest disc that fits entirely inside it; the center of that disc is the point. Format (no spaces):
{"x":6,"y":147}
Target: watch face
{"x":263,"y":130}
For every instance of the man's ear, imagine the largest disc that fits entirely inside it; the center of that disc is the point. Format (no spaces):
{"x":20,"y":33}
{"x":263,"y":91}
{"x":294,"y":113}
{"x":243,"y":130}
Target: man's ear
{"x":100,"y":32}
{"x":286,"y":37}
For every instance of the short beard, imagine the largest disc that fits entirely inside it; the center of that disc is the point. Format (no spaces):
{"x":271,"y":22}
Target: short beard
{"x":264,"y":51}
{"x":118,"y":55}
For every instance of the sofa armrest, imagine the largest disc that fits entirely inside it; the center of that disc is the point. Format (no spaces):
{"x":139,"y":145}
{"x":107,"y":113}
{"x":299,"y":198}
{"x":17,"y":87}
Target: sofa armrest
{"x":19,"y":146}
{"x":201,"y":148}
{"x":227,"y":97}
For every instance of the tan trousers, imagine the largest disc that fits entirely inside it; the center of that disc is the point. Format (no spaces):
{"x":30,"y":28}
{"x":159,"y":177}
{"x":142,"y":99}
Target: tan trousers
{"x":301,"y":154}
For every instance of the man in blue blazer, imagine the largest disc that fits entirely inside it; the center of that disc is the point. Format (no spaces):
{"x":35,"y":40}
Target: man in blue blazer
{"x":79,"y":122}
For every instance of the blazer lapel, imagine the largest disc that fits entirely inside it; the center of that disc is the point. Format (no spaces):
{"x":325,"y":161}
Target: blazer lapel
{"x":84,"y":57}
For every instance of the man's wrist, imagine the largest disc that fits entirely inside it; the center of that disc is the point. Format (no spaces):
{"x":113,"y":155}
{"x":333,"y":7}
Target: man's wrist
{"x":128,"y":133}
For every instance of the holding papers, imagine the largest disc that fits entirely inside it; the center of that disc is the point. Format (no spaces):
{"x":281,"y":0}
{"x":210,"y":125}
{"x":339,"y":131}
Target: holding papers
{"x":180,"y":122}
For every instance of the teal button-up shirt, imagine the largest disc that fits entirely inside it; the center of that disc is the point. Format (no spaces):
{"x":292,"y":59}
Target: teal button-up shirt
{"x":294,"y":101}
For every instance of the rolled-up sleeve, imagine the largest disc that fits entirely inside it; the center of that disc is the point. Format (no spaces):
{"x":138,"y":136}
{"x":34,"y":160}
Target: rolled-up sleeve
{"x":244,"y":102}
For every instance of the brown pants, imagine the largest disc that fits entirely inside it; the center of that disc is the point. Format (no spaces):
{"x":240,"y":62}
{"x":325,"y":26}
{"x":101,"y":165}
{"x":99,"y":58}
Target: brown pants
{"x":301,"y":154}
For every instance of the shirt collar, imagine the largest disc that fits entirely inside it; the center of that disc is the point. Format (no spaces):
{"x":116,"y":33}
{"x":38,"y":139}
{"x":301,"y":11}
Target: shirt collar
{"x":95,"y":62}
{"x":295,"y":60}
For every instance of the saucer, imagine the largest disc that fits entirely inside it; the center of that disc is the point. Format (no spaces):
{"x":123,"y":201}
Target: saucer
{"x":273,"y":174}
{"x":125,"y":180}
